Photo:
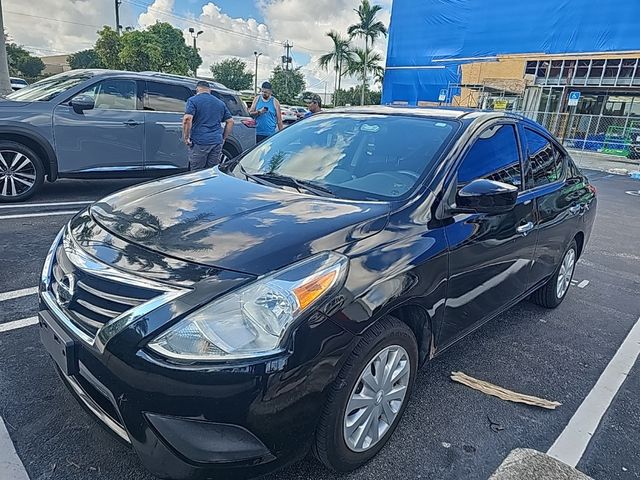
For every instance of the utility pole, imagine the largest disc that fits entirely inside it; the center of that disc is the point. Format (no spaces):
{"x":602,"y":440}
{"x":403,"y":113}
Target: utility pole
{"x":118,"y":26}
{"x":5,"y":83}
{"x":324,"y":100}
{"x":255,"y":79}
{"x":287,"y":58}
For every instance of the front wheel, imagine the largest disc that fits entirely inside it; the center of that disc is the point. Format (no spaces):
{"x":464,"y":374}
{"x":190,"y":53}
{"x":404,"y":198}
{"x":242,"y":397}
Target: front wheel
{"x":551,"y":294}
{"x":21,"y":172}
{"x":369,"y":396}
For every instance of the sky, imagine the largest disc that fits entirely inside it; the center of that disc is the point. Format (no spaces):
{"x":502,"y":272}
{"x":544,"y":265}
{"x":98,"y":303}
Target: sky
{"x":231,"y":28}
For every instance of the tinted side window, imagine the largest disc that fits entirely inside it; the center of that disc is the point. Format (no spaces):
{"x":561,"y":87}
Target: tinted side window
{"x":113,"y":94}
{"x":234,"y":104}
{"x":164,"y":97}
{"x":546,"y":160}
{"x":494,"y":156}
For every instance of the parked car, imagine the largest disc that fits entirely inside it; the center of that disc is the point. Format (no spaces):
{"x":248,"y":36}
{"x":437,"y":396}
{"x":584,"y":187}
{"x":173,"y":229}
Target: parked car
{"x":18,"y":83}
{"x":288,"y":115}
{"x":229,"y":320}
{"x":100,"y":123}
{"x":300,"y":112}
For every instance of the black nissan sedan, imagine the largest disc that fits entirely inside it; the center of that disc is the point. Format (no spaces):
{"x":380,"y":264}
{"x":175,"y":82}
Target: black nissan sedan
{"x":225,"y":322}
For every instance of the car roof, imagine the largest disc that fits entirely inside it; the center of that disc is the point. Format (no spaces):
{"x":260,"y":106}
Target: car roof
{"x":445,"y":113}
{"x":191,"y":81}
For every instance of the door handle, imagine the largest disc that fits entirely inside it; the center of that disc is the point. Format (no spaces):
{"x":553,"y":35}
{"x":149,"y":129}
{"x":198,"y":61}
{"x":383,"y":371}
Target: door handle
{"x":575,"y":209}
{"x":524,"y":229}
{"x":131,"y":123}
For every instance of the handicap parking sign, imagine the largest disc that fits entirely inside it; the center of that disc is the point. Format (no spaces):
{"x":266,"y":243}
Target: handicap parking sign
{"x":573,"y":98}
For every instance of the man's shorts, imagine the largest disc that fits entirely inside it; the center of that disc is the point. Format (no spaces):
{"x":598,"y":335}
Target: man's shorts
{"x":204,"y":156}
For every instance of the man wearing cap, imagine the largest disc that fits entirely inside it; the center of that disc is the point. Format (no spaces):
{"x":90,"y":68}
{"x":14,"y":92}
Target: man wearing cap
{"x":201,"y":127}
{"x":314,"y":105}
{"x":266,"y":110}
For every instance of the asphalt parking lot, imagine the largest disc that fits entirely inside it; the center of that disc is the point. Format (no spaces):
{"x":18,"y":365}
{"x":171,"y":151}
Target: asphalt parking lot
{"x":448,"y":432}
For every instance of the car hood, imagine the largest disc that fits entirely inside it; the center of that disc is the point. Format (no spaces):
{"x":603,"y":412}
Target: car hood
{"x":7,"y":102}
{"x":219,"y":220}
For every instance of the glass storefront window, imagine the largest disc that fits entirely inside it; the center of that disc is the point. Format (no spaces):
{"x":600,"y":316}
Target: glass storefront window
{"x":617,"y":105}
{"x":590,"y":104}
{"x":611,"y":71}
{"x":555,"y":71}
{"x":531,"y":68}
{"x":567,"y":72}
{"x":626,"y":71}
{"x":597,"y":68}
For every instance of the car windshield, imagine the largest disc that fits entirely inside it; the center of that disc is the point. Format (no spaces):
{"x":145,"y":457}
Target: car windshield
{"x":49,"y":88}
{"x":354,"y":156}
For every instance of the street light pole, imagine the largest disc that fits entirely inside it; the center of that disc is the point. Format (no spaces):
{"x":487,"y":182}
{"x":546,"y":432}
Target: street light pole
{"x":255,"y":80}
{"x":195,"y":36}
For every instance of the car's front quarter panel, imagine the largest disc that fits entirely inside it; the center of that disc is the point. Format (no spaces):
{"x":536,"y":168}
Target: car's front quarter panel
{"x":404,"y":265}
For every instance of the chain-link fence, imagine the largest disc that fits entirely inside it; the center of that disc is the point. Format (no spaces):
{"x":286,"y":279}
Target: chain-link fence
{"x":607,"y":134}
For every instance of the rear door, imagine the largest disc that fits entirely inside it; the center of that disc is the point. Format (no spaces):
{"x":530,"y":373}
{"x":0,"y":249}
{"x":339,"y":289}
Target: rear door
{"x":557,"y":194}
{"x":107,"y":138}
{"x":163,"y":111}
{"x":489,"y":255}
{"x":243,"y":135}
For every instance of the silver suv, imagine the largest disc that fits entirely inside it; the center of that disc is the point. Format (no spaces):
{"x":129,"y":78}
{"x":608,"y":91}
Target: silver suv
{"x":102,"y":124}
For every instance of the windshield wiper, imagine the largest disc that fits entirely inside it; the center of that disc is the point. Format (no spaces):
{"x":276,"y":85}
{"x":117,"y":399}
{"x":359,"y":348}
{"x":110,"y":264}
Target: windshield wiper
{"x":257,"y":179}
{"x":308,"y":185}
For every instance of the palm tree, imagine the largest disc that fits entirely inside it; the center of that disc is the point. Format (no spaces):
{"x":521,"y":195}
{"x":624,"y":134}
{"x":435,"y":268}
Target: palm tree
{"x":369,"y":28}
{"x":364,"y":61}
{"x":5,"y":82}
{"x":339,"y":56}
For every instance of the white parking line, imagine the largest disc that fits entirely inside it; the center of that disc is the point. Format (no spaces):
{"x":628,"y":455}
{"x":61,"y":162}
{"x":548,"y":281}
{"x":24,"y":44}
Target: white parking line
{"x":11,"y":467}
{"x":574,"y":439}
{"x":44,"y":214}
{"x":53,"y":204}
{"x":583,"y":283}
{"x":25,"y":322}
{"x":17,"y":293}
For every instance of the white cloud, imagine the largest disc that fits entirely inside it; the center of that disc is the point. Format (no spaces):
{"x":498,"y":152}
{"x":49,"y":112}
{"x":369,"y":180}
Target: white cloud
{"x":303,"y":22}
{"x":58,"y":26}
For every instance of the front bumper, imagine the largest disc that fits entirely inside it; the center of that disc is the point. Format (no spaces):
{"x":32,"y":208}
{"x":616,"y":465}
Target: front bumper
{"x":192,"y":422}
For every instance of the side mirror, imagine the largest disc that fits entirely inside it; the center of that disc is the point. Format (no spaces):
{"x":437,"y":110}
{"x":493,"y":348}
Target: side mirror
{"x":82,"y":103}
{"x":486,"y":196}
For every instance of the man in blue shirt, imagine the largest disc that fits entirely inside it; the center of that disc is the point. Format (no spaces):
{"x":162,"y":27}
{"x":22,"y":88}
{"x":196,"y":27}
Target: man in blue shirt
{"x":314,"y":105}
{"x":266,"y":110}
{"x":202,"y":127}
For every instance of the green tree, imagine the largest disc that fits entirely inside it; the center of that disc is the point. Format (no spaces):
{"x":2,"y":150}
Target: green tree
{"x":287,"y":84}
{"x":232,"y":73}
{"x":175,"y":55}
{"x":140,"y":51}
{"x":108,"y":48}
{"x":31,"y":67}
{"x":339,"y":57}
{"x":84,"y":59}
{"x":15,"y":55}
{"x":362,"y":63}
{"x":353,"y":95}
{"x":369,"y":28}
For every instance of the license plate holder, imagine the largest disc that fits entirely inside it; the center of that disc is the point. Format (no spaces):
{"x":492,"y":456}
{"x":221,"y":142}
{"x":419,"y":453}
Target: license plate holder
{"x":61,"y":347}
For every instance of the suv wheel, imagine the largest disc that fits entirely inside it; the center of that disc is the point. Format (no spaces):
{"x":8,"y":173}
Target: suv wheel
{"x":551,"y":294}
{"x":21,"y":172}
{"x":369,"y":396}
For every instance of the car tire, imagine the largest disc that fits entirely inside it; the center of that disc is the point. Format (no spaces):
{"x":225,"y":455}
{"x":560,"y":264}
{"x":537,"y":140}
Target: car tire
{"x":21,"y":172}
{"x":552,"y":293}
{"x":335,"y":446}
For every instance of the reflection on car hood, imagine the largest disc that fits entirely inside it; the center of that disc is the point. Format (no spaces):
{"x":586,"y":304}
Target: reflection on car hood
{"x":216,"y":219}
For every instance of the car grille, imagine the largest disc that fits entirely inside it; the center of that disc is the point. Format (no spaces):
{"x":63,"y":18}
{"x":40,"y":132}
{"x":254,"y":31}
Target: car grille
{"x":91,"y":301}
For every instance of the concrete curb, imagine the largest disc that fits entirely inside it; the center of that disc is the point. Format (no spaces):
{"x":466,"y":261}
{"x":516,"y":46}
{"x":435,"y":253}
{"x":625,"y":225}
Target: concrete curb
{"x":529,"y":464}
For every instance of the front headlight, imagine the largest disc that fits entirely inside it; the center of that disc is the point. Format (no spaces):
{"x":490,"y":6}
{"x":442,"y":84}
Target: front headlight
{"x":252,"y":321}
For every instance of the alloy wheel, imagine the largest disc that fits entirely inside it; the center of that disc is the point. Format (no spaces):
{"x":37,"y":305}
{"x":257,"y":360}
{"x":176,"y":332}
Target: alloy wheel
{"x":17,"y":173}
{"x":566,"y":273}
{"x":376,"y":398}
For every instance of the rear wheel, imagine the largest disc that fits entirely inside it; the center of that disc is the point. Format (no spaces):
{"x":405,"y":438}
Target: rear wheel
{"x":551,"y":294}
{"x":21,"y":172}
{"x":369,"y":396}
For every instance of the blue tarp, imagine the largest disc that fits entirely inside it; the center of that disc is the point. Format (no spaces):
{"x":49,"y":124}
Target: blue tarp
{"x":429,"y":39}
